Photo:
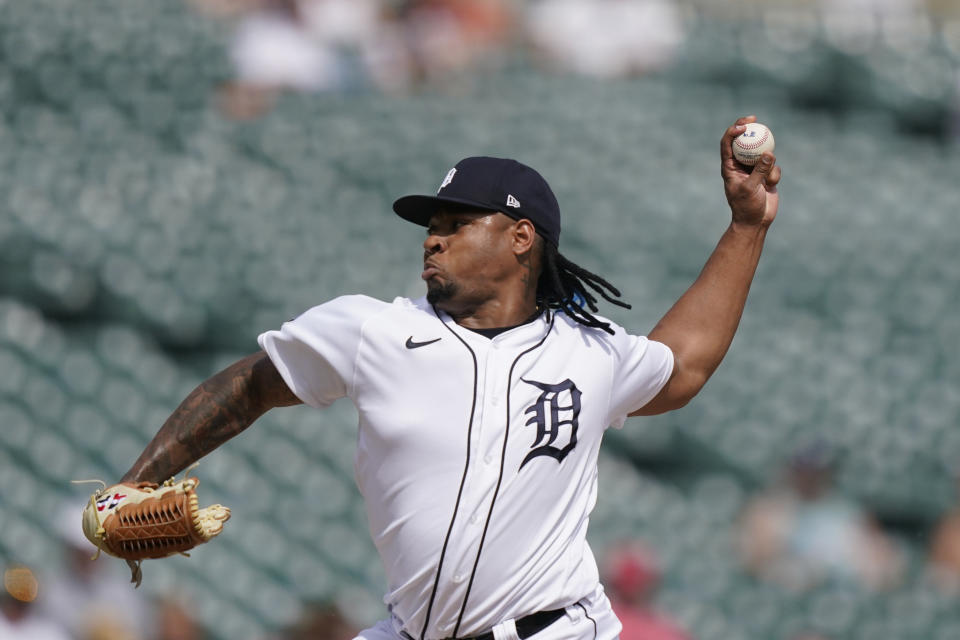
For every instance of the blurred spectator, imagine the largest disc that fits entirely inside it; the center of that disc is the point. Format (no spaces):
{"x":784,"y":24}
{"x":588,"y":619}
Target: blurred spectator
{"x":606,"y":38}
{"x":274,"y":49}
{"x":803,"y":532}
{"x":321,"y":621}
{"x":322,"y":45}
{"x":944,"y":553}
{"x":631,"y":577}
{"x":447,"y":37}
{"x":91,"y":599}
{"x":19,"y":619}
{"x":174,"y":621}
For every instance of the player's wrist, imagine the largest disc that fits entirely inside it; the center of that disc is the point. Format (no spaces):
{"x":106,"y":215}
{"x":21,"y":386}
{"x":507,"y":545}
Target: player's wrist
{"x":743,"y":223}
{"x":749,"y":230}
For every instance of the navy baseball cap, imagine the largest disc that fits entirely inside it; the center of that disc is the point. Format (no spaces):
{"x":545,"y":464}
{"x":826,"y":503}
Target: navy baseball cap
{"x":491,"y":184}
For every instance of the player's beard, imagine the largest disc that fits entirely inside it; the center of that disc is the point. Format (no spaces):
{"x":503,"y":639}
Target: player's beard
{"x":440,"y":292}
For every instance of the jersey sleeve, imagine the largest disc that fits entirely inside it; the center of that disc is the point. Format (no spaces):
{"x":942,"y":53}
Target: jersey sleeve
{"x":641,"y":369}
{"x":316,"y":352}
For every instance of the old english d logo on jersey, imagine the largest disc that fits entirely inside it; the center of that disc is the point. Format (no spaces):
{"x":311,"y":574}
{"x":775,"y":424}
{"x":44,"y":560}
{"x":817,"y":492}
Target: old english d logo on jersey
{"x":555,"y":422}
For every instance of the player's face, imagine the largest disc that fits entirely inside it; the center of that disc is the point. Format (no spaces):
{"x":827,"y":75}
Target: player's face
{"x":467,"y":258}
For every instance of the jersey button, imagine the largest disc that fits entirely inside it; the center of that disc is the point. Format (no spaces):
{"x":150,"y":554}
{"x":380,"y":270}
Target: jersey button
{"x":458,"y":577}
{"x":488,"y":459}
{"x":475,"y":518}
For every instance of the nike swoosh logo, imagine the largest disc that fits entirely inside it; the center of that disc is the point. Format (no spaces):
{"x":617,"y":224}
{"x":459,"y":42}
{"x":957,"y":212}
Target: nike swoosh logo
{"x":416,"y":345}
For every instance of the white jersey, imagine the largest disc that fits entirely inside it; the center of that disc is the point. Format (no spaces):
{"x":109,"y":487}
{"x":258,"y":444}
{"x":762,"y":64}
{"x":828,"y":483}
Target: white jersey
{"x":476,"y":457}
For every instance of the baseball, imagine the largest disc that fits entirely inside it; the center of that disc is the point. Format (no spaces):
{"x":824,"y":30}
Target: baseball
{"x":750,"y":145}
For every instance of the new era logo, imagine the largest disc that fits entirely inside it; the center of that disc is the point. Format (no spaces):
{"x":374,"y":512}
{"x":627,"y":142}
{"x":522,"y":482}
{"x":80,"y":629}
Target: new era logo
{"x":448,"y":179}
{"x":513,"y":202}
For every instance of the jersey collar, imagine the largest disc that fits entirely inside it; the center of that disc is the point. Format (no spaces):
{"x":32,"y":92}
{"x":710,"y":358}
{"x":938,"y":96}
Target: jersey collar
{"x":519,"y":336}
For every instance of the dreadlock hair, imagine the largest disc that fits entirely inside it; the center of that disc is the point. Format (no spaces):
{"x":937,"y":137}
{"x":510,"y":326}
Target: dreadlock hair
{"x":563,"y":285}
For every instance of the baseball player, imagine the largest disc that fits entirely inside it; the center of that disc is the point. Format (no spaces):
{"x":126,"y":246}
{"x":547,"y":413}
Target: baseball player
{"x":482,"y":405}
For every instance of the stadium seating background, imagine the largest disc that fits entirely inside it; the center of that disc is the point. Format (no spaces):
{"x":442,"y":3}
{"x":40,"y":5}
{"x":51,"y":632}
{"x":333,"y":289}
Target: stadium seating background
{"x":145,"y":241}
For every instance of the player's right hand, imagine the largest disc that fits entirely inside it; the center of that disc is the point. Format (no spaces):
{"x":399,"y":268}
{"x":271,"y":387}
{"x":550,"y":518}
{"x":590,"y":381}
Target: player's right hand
{"x":751,"y":194}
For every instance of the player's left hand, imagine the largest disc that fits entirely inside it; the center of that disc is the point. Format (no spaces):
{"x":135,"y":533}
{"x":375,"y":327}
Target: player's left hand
{"x":751,"y":194}
{"x":135,"y":521}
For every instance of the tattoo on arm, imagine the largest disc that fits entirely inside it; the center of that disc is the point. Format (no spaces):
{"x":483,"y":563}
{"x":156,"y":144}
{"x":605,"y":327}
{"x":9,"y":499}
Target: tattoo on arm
{"x":217,"y":410}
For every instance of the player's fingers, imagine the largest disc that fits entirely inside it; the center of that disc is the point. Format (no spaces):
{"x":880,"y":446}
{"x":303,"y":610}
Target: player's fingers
{"x":726,"y":143}
{"x":762,"y":170}
{"x":774,"y":178}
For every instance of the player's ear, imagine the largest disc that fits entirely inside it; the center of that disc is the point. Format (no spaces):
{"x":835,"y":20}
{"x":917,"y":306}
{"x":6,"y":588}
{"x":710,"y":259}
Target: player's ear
{"x":524,"y":237}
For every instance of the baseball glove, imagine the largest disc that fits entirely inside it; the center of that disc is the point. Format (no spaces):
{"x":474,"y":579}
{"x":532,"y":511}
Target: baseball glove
{"x":146,"y":520}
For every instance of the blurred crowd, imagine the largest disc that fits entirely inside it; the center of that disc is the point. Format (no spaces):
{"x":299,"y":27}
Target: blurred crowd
{"x":802,"y":532}
{"x":631,"y":577}
{"x":396,"y":45}
{"x":798,"y":534}
{"x":89,"y":601}
{"x":86,"y":599}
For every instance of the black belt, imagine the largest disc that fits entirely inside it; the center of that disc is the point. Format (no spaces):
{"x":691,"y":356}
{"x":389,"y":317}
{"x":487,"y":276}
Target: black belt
{"x":526,"y":626}
{"x":529,"y":625}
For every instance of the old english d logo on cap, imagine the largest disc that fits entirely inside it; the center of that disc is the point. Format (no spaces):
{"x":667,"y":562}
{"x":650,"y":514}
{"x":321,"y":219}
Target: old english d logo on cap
{"x":448,"y":179}
{"x":483,"y":183}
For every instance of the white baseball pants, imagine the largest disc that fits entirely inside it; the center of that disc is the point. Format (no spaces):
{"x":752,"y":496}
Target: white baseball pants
{"x":589,"y":619}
